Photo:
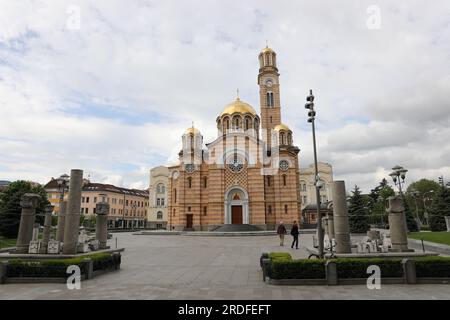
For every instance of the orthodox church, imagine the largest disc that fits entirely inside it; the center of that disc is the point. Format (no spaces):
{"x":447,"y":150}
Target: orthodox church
{"x":248,"y":175}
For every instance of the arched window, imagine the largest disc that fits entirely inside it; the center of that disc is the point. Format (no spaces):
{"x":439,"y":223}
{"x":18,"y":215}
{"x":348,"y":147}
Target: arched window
{"x":205,"y":182}
{"x":286,"y":208}
{"x":268,"y":181}
{"x":189,"y":182}
{"x":283,"y":142}
{"x":284,"y":180}
{"x":246,"y":123}
{"x":269,"y":99}
{"x":159,"y":215}
{"x":289,"y":138}
{"x":175,"y":195}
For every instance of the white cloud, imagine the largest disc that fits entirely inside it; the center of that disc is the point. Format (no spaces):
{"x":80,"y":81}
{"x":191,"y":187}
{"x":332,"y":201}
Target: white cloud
{"x":114,"y":97}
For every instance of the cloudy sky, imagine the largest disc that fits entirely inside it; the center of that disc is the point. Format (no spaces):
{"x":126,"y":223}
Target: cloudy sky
{"x":109,"y":86}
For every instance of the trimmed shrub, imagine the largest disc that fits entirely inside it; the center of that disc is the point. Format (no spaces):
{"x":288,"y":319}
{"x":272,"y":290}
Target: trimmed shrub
{"x":357,"y":267}
{"x":284,"y":268}
{"x":56,"y":268}
{"x":433,"y":267}
{"x":280,"y":256}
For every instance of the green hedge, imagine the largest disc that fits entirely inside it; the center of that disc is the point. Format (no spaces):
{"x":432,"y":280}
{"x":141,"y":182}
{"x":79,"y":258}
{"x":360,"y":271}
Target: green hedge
{"x":433,"y":267}
{"x":282,"y":266}
{"x":357,"y":267}
{"x":56,"y":268}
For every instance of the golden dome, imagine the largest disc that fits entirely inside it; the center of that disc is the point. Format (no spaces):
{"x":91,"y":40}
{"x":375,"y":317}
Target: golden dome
{"x":267,"y":49}
{"x":192,"y":130}
{"x":281,"y":127}
{"x":238,"y":106}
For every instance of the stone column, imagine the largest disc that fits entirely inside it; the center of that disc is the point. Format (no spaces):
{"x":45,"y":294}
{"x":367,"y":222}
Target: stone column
{"x":340,"y":215}
{"x":61,"y":221}
{"x":47,"y":228}
{"x":72,"y":221}
{"x":331,"y":226}
{"x":28,"y":202}
{"x":397,"y":224}
{"x":101,"y":228}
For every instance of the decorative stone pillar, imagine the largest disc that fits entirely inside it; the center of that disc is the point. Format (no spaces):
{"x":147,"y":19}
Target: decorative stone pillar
{"x":340,"y":215}
{"x":72,"y":221}
{"x":61,"y":221}
{"x":47,"y":228}
{"x":397,"y":225}
{"x":28,"y":202}
{"x":101,"y":228}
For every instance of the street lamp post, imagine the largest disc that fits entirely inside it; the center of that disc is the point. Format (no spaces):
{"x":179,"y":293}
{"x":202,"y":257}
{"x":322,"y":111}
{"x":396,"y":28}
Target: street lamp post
{"x":415,"y":194}
{"x":398,"y":175}
{"x":311,"y":114}
{"x":63,"y":184}
{"x":425,"y":209}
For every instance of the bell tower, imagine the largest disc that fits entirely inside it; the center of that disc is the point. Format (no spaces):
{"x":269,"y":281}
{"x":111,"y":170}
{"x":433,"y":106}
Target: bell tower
{"x":269,"y":93}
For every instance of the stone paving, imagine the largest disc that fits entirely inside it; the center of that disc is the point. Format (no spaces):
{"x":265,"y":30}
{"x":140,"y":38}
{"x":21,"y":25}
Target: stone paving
{"x":188,"y":267}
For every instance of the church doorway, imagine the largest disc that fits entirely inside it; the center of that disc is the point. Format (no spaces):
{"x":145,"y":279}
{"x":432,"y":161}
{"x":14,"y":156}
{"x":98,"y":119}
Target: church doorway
{"x":189,"y":223}
{"x":236,"y":215}
{"x":236,"y":206}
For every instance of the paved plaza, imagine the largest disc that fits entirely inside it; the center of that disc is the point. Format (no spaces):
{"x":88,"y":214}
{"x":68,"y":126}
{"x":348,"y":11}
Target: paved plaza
{"x":197,"y":267}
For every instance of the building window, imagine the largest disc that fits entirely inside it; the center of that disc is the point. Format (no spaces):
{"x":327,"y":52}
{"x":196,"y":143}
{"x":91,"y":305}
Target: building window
{"x":82,"y":199}
{"x":269,"y":99}
{"x":269,"y":209}
{"x":93,"y":211}
{"x":157,"y":202}
{"x":189,"y":209}
{"x":189,"y":182}
{"x":175,"y":195}
{"x":286,"y":208}
{"x":86,"y":210}
{"x":205,"y":211}
{"x":270,"y":119}
{"x":205,"y":182}
{"x":162,"y":201}
{"x":87,"y":199}
{"x":95,"y":199}
{"x":268,"y":181}
{"x":159,"y":215}
{"x":284,"y":180}
{"x":126,"y":203}
{"x":82,"y":210}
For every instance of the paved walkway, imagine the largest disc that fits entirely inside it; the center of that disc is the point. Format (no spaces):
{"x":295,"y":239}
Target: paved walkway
{"x":184,"y":267}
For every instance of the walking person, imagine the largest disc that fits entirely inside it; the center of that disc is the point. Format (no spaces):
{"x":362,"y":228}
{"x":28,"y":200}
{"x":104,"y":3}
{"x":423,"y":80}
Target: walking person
{"x":294,"y":233}
{"x":281,"y":231}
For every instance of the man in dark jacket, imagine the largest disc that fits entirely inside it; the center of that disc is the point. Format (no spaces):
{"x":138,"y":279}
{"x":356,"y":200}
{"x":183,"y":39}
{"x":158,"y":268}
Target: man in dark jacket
{"x":281,"y":231}
{"x":294,"y":233}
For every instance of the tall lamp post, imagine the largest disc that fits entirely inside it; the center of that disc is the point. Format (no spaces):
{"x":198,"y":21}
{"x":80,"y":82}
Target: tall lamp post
{"x":415,"y":194}
{"x":63,"y":186}
{"x":312,"y":114}
{"x":425,"y":209}
{"x":398,"y":175}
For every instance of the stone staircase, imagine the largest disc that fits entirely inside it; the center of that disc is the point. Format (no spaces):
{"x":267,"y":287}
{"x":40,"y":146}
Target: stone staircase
{"x":236,"y":228}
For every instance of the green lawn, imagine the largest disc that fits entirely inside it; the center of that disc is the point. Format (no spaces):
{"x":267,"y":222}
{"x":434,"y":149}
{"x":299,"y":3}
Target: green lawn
{"x":6,"y":243}
{"x":438,"y":237}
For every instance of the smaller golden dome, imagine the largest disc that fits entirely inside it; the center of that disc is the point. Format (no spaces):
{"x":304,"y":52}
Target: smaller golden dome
{"x":238,"y":106}
{"x":192,"y":130}
{"x":281,"y":126}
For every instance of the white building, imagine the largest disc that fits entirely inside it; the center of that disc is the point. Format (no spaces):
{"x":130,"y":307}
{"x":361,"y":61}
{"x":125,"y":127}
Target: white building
{"x":157,"y":210}
{"x":307,"y":187}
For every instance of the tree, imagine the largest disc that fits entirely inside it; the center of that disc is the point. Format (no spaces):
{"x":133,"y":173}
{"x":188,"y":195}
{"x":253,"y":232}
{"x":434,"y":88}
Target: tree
{"x":418,"y":192}
{"x":411,"y":223}
{"x":377,"y":202}
{"x":10,"y":209}
{"x":439,"y":209}
{"x":357,"y":213}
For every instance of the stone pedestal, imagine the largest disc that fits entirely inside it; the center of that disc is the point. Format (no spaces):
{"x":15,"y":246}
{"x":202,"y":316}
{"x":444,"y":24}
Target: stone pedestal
{"x":61,"y":221}
{"x":72,"y":221}
{"x":101,"y":229}
{"x":397,"y":225}
{"x":28,"y":202}
{"x":447,"y":222}
{"x":340,"y":218}
{"x":47,"y":229}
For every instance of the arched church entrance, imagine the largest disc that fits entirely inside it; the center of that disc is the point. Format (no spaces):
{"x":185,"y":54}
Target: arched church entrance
{"x":236,"y":206}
